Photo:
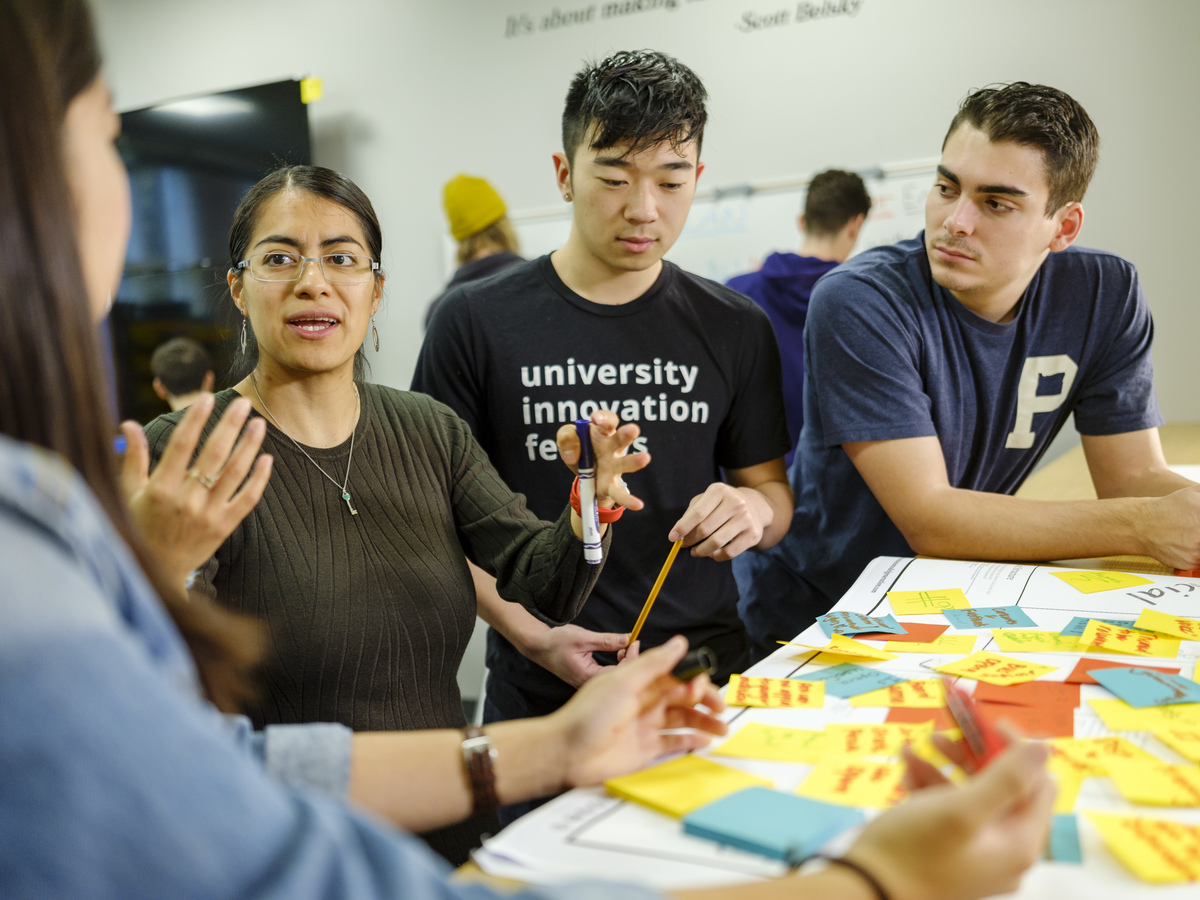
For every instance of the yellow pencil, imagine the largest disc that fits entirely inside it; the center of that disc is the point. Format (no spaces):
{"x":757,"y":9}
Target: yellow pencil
{"x":658,"y":583}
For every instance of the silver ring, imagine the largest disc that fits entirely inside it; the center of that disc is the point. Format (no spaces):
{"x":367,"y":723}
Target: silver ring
{"x":207,"y":481}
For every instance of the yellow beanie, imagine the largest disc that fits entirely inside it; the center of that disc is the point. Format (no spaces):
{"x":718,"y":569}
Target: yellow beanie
{"x":471,"y":205}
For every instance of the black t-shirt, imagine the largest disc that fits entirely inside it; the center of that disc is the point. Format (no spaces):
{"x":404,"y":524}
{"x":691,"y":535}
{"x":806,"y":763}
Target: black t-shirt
{"x":694,"y":363}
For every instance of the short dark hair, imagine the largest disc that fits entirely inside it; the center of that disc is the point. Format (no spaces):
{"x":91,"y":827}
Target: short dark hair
{"x":834,"y":198}
{"x":181,"y":365}
{"x":635,"y":97}
{"x":320,"y":182}
{"x":1035,"y":115}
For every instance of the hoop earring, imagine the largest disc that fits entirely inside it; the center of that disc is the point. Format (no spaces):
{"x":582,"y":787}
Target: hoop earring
{"x":243,"y":342}
{"x":374,"y":334}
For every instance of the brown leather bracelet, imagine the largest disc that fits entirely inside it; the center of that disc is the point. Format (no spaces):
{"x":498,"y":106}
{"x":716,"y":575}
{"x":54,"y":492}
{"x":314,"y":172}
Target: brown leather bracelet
{"x":479,"y":756}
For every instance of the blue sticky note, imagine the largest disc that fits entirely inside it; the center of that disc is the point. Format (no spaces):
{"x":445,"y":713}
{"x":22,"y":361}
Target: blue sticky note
{"x":771,"y":823}
{"x":1079,"y":623}
{"x":849,"y":680}
{"x":989,"y":617}
{"x":844,"y":622}
{"x":1141,"y":688}
{"x":1064,"y":841}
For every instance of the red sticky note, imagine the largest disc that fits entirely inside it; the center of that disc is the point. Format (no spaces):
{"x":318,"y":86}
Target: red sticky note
{"x":1031,"y":693}
{"x":1079,"y":675}
{"x":1049,"y":721}
{"x":940,"y":717}
{"x":915,"y":633}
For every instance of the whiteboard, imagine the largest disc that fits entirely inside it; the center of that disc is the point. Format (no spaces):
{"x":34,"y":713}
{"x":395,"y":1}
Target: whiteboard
{"x":731,"y":230}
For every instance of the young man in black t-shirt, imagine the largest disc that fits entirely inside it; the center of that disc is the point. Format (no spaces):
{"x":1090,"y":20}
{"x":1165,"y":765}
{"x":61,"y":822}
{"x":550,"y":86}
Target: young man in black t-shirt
{"x":604,"y":322}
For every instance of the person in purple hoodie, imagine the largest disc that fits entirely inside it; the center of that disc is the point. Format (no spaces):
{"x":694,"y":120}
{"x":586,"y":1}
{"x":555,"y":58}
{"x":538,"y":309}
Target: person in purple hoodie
{"x":834,"y":211}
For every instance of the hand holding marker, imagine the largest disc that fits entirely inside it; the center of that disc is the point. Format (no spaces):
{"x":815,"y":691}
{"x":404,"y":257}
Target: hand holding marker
{"x":589,"y":510}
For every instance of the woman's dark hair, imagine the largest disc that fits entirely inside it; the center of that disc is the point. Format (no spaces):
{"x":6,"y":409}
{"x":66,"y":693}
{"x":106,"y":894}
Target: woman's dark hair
{"x":52,"y":392}
{"x":638,"y":98}
{"x":320,"y":182}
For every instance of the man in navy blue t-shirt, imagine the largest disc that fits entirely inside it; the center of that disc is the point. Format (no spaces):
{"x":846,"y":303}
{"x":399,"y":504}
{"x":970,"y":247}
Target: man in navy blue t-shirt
{"x":835,"y":208}
{"x":938,"y":371}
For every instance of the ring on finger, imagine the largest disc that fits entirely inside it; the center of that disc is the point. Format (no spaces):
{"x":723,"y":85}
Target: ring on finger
{"x":206,"y":481}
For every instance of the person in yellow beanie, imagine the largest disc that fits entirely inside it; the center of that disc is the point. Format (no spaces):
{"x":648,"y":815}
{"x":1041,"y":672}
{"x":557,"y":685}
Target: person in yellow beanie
{"x":479,"y":222}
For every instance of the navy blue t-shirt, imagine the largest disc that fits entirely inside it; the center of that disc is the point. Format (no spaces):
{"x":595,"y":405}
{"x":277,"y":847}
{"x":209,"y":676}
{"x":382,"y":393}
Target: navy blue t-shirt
{"x":891,"y":354}
{"x":782,"y":288}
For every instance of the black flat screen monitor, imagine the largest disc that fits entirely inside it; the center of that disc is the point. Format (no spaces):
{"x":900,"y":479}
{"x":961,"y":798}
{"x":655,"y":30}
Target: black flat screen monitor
{"x":190,"y":161}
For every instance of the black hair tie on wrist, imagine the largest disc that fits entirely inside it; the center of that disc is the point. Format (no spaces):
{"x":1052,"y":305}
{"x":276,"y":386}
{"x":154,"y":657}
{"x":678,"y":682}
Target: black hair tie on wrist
{"x":860,"y":871}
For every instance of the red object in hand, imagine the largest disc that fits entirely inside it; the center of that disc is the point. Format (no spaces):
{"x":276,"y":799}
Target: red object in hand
{"x":983,"y":742}
{"x":606,"y":514}
{"x":1188,"y":573}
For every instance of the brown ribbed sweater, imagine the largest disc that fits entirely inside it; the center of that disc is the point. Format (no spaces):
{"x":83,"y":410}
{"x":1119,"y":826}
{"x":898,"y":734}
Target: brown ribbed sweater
{"x":367,"y":617}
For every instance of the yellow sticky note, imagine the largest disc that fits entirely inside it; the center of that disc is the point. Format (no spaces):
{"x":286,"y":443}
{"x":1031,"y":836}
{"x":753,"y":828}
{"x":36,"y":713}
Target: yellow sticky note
{"x":840,"y":645}
{"x":920,"y":603}
{"x":1068,"y":784}
{"x":755,"y":741}
{"x":1155,"y":850}
{"x":1092,"y":582}
{"x":996,"y":669}
{"x":924,"y":693}
{"x":1155,"y":783}
{"x":1034,"y":641}
{"x":311,"y":89}
{"x":924,"y":748}
{"x":1100,"y":637}
{"x":1089,"y":757}
{"x":889,"y":739}
{"x":944,"y":643}
{"x":1183,"y":740}
{"x":1177,"y":626}
{"x":855,"y":782}
{"x":787,"y":693}
{"x":1120,"y":716}
{"x":681,"y":785}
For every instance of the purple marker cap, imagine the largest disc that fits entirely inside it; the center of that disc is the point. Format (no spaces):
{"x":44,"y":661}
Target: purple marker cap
{"x":587,"y":459}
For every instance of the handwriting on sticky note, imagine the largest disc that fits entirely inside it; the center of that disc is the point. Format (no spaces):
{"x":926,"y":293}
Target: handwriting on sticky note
{"x":946,"y":643}
{"x":785,"y":693}
{"x":856,"y":739}
{"x":855,"y":782}
{"x":840,"y":645}
{"x":847,"y":622}
{"x":989,"y":617}
{"x":1035,"y":642}
{"x":995,"y":669}
{"x":1120,"y":716}
{"x":920,"y":603}
{"x":757,"y":741}
{"x":1089,"y":757}
{"x":1176,"y":626}
{"x":917,"y":632}
{"x":1104,"y":638}
{"x":850,"y":680}
{"x":1182,"y":739}
{"x":924,"y":693}
{"x":680,"y":785}
{"x":1142,"y":687}
{"x":1156,"y":783}
{"x":1155,"y":850}
{"x":1093,"y":582}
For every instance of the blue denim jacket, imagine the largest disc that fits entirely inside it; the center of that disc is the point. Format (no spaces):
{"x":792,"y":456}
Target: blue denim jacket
{"x":118,"y":781}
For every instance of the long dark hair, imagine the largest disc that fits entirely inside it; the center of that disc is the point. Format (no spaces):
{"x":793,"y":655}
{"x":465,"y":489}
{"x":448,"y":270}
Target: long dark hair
{"x":51,"y":388}
{"x":320,"y":182}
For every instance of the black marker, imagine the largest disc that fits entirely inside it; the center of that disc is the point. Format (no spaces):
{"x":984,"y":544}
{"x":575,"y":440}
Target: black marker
{"x":700,"y":661}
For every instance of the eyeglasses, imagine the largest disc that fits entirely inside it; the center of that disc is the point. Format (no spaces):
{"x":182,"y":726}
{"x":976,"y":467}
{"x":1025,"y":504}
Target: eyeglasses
{"x":282,"y":265}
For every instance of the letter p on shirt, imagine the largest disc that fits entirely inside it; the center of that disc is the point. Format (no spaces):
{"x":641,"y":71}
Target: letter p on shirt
{"x":1030,"y":402}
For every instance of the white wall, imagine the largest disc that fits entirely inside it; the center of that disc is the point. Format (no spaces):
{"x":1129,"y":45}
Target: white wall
{"x":415,"y":92}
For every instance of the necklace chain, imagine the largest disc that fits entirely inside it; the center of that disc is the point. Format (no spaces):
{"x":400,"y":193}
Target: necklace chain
{"x":349,"y":459}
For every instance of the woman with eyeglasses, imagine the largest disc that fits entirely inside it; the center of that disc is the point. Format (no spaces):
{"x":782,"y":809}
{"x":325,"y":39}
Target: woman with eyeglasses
{"x":354,"y":557}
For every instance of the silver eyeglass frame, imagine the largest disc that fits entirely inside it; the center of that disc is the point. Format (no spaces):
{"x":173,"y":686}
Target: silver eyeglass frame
{"x":244,"y":265}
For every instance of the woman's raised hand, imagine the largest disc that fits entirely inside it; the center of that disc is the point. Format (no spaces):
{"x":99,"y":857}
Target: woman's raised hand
{"x":610,"y":444}
{"x":185,"y":512}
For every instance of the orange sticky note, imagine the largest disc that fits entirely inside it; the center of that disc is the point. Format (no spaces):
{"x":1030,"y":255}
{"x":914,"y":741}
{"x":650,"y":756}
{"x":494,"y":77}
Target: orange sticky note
{"x":787,"y":693}
{"x":1176,"y":626}
{"x":920,"y":603}
{"x":1100,"y":637}
{"x":855,"y":782}
{"x":995,"y":669}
